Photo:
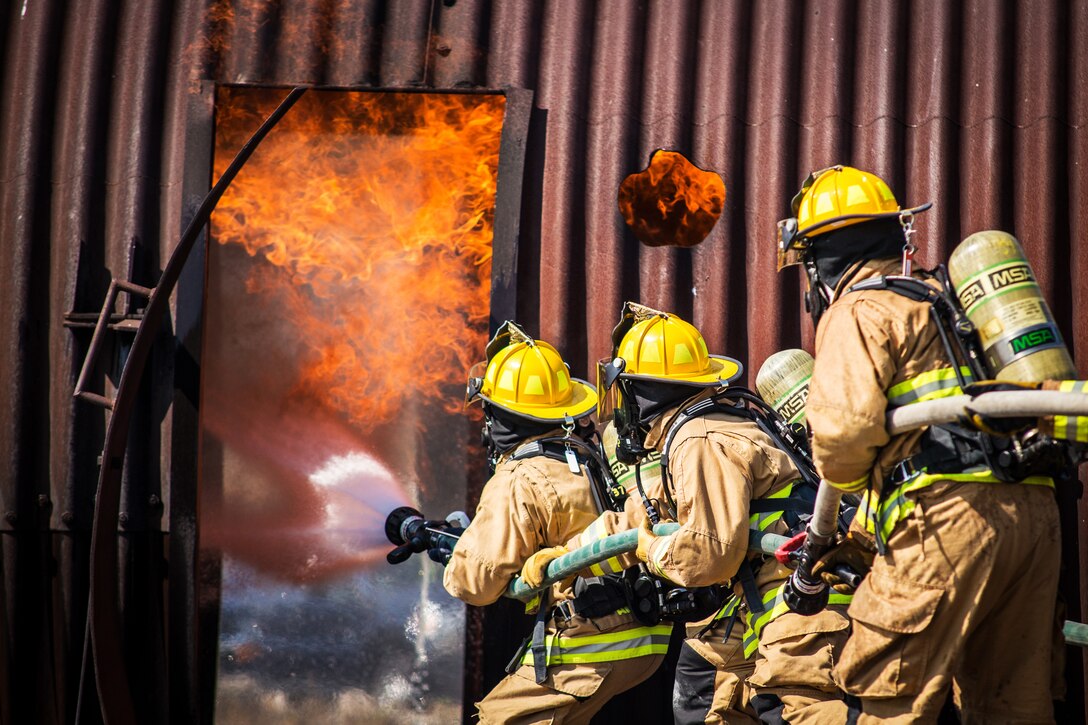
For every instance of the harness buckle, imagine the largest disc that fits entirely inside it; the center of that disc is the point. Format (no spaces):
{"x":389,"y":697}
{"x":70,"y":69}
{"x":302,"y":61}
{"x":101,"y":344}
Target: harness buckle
{"x":903,"y":471}
{"x":566,"y":610}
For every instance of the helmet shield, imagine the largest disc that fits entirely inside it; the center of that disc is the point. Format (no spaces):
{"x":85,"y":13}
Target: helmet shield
{"x":475,"y":382}
{"x":608,"y":393}
{"x":791,"y":248}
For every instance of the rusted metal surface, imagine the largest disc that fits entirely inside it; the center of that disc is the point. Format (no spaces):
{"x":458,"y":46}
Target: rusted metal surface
{"x":976,"y":106}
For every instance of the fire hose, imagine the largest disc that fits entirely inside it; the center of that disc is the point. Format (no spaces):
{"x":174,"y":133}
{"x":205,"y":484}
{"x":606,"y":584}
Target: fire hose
{"x":997,"y":404}
{"x":614,"y":545}
{"x":413,"y":534}
{"x":625,"y":542}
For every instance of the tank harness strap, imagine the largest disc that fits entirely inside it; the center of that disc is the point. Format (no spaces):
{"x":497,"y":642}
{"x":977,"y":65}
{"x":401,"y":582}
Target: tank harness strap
{"x":771,"y":505}
{"x":602,"y":485}
{"x":538,"y":448}
{"x":746,"y":575}
{"x":539,"y":647}
{"x":945,"y":449}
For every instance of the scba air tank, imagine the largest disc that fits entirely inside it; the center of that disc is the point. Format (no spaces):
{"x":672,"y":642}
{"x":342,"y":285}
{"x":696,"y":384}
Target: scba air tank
{"x":783,"y":383}
{"x":998,"y":291}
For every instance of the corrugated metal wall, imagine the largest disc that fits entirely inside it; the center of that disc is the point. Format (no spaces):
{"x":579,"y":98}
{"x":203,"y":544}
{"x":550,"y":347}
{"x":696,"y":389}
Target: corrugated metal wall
{"x":979,"y":106}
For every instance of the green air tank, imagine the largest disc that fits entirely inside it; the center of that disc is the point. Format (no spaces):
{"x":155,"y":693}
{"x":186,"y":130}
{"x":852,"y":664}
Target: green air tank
{"x":782,"y":382}
{"x":998,"y":291}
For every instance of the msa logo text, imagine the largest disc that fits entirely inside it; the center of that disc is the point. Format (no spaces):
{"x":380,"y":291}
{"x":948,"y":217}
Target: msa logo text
{"x":794,"y":404}
{"x":1033,"y":339}
{"x":971,"y":294}
{"x":1010,"y":275}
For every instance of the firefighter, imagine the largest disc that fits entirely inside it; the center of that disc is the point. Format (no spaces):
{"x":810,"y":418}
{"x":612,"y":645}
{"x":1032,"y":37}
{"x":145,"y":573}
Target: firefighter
{"x":719,"y":474}
{"x":962,"y":593}
{"x":546,"y":487}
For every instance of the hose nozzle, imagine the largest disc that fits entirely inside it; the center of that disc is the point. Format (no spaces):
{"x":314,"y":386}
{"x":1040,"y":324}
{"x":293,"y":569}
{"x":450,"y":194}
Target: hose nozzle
{"x":412,"y":534}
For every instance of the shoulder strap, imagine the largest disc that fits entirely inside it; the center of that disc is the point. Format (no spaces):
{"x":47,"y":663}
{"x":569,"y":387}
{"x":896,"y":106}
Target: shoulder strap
{"x":745,"y":404}
{"x":602,"y":484}
{"x":957,"y":332}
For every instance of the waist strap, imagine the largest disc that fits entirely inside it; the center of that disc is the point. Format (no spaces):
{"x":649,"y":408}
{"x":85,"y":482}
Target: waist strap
{"x":610,"y":647}
{"x":881,"y":513}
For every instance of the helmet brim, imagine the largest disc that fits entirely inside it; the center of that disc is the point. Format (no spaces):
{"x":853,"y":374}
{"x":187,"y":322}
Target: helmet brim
{"x":828,"y":224}
{"x":583,"y":402}
{"x":723,"y":370}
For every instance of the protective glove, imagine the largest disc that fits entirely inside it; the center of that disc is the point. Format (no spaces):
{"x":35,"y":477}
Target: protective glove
{"x":534,"y":568}
{"x":646,"y":537}
{"x":850,"y":554}
{"x":442,"y":547}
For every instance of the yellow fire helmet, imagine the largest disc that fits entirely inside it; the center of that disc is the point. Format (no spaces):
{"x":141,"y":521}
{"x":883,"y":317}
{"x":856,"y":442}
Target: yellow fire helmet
{"x":834,"y":198}
{"x":652,"y":345}
{"x":528,"y":377}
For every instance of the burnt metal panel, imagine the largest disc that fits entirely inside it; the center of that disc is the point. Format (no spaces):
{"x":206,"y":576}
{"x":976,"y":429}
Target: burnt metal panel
{"x":192,"y":622}
{"x":504,"y":255}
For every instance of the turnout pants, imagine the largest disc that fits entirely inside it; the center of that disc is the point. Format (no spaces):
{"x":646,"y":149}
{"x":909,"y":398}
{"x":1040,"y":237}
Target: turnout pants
{"x":788,"y":679}
{"x":964,"y":598}
{"x":572,"y":693}
{"x":711,"y":677}
{"x":792,"y":681}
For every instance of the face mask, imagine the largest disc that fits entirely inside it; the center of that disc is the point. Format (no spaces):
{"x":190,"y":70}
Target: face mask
{"x":504,"y":430}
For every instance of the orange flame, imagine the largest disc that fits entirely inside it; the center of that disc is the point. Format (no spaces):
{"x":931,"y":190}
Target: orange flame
{"x":672,"y":202}
{"x":375,"y":212}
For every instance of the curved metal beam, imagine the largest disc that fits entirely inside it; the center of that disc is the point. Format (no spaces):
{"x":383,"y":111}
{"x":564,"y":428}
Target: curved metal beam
{"x":103,"y":613}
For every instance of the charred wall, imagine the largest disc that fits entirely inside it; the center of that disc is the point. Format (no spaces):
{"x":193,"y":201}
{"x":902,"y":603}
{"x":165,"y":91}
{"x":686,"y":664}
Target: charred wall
{"x":978,"y":106}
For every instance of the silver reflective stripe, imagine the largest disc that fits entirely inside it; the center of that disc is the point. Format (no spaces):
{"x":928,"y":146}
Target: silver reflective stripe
{"x":613,"y":646}
{"x":918,"y":392}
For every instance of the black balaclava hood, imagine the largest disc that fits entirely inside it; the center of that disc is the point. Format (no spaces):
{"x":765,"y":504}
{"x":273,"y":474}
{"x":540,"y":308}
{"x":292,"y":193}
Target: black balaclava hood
{"x":507,"y":430}
{"x":842,"y":250}
{"x":654,"y":398}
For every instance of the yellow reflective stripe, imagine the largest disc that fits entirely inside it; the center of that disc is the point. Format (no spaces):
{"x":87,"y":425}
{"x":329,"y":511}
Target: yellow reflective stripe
{"x":851,"y":486}
{"x":604,"y":647}
{"x":592,"y":657}
{"x":1072,"y":428}
{"x":658,"y":549}
{"x":773,"y":606}
{"x":940,"y":383}
{"x":765,"y":520}
{"x":728,"y":608}
{"x":755,"y":629}
{"x":593,"y":532}
{"x":606,"y":567}
{"x":750,"y":641}
{"x":896,"y":506}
